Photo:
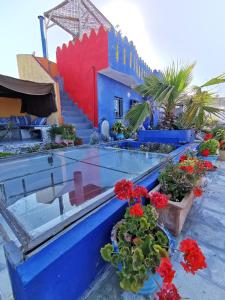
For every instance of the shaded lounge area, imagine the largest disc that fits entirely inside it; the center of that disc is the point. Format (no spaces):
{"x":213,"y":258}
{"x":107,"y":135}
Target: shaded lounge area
{"x":24,"y":108}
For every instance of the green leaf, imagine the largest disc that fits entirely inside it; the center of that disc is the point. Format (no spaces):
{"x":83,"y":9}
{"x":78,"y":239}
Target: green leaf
{"x":137,"y":115}
{"x":106,"y":252}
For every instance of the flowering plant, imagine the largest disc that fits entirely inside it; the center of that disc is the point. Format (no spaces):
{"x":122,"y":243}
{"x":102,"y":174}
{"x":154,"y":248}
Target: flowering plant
{"x":209,"y":147}
{"x":208,"y":136}
{"x":142,"y":247}
{"x":177,"y":180}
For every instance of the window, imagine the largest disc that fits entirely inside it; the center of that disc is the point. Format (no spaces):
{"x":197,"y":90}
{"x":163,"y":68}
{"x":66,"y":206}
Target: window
{"x":133,"y":102}
{"x":118,"y":106}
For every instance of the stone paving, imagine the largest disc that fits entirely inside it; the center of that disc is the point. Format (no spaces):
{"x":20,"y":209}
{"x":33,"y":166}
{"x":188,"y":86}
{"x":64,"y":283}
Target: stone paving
{"x":206,"y":223}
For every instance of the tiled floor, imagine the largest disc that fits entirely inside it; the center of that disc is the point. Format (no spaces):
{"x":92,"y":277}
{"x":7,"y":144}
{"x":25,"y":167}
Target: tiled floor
{"x":206,"y":223}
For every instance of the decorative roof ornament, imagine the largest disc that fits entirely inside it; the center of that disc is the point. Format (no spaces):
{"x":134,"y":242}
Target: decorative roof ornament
{"x":76,"y":17}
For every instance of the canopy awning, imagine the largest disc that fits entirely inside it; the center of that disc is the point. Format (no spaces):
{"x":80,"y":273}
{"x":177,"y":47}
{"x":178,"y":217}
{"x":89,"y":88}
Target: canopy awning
{"x":37,"y":98}
{"x":123,"y":78}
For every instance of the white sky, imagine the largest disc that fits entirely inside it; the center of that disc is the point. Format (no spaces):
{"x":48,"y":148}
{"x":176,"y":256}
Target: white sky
{"x":162,"y":30}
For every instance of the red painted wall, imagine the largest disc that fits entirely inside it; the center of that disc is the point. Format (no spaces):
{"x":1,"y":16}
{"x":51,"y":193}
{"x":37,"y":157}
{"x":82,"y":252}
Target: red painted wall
{"x":78,"y":63}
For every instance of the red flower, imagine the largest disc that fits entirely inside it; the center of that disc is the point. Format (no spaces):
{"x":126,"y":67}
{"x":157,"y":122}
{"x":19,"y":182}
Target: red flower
{"x":194,"y":259}
{"x":158,"y":200}
{"x":208,"y":165}
{"x":208,"y":136}
{"x":165,"y":270}
{"x":168,"y":292}
{"x":205,"y":152}
{"x":139,"y":191}
{"x":197,"y":191}
{"x":123,"y":189}
{"x":183,"y":158}
{"x":188,"y":169}
{"x":136,"y":210}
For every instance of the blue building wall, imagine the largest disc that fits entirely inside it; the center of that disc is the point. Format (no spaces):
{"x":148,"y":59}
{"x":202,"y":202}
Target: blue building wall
{"x":107,"y":90}
{"x":123,"y":57}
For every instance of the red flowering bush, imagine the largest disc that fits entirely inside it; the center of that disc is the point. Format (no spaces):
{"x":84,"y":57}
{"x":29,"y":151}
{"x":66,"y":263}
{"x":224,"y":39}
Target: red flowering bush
{"x":136,"y":210}
{"x":205,"y":152}
{"x":138,"y":192}
{"x":159,"y":200}
{"x":183,"y":158}
{"x":123,"y":189}
{"x":165,"y":270}
{"x":208,"y":136}
{"x":143,"y":247}
{"x":197,"y":191}
{"x":194,"y":259}
{"x":188,"y":169}
{"x":168,"y":292}
{"x":208,"y":165}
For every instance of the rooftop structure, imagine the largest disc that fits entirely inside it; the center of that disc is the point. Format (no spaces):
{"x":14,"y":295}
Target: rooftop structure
{"x":76,"y":17}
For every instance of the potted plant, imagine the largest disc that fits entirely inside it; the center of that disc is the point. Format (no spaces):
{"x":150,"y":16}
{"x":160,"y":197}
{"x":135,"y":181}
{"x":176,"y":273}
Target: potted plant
{"x":69,"y":134}
{"x":118,"y":128}
{"x":169,"y":92}
{"x":78,"y":141}
{"x":140,"y":248}
{"x":181,"y":183}
{"x":209,"y":150}
{"x":56,"y":133}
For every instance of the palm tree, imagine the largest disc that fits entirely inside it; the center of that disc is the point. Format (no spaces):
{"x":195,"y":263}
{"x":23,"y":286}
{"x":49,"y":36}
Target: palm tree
{"x":170,"y":90}
{"x":198,"y":107}
{"x":165,"y":90}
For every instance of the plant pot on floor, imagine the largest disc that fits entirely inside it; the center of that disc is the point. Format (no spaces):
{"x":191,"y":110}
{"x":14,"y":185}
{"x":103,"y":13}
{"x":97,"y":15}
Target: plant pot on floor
{"x":68,"y":142}
{"x":167,"y":136}
{"x":151,"y":285}
{"x":120,"y":136}
{"x":174,"y":215}
{"x":58,"y":139}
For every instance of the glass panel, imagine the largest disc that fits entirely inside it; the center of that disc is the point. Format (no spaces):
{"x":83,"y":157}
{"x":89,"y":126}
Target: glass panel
{"x":57,"y":194}
{"x":46,"y":192}
{"x":133,"y":162}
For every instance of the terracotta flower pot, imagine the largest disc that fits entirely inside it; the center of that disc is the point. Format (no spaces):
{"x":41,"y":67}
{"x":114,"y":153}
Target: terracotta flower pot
{"x":174,"y":215}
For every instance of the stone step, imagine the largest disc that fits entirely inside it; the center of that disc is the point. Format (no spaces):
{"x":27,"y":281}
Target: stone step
{"x":75,"y":119}
{"x":83,"y":125}
{"x":84,"y":132}
{"x":71,"y":113}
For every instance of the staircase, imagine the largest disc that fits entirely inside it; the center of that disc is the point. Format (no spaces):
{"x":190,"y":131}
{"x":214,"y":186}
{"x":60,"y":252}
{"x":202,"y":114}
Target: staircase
{"x":73,"y":115}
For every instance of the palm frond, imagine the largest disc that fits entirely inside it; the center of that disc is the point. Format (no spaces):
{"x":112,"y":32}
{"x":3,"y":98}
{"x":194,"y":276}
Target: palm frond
{"x":137,"y":114}
{"x":216,"y":80}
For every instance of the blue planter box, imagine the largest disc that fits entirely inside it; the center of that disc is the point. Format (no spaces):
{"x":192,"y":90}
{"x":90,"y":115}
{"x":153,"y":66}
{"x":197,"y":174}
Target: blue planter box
{"x":167,"y":136}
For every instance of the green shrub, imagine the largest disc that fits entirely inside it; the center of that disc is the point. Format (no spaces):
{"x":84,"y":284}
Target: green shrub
{"x":5,"y":154}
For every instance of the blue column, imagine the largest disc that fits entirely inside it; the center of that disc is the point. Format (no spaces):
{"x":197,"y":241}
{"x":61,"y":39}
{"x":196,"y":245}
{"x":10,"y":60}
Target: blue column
{"x":43,"y":38}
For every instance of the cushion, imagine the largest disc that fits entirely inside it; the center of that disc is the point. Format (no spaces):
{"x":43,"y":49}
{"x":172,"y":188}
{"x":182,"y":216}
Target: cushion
{"x":14,"y":120}
{"x":5,"y":121}
{"x":39,"y":121}
{"x":21,"y":120}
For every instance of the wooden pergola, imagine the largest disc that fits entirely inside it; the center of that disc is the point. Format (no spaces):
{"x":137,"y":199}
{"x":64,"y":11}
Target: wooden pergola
{"x":76,"y":17}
